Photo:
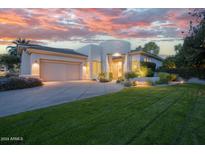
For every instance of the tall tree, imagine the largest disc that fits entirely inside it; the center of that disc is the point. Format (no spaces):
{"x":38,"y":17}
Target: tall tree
{"x":10,"y":61}
{"x":19,"y":41}
{"x":12,"y":50}
{"x":178,"y":48}
{"x":139,"y":48}
{"x":151,"y":47}
{"x":194,"y":43}
{"x":169,"y":62}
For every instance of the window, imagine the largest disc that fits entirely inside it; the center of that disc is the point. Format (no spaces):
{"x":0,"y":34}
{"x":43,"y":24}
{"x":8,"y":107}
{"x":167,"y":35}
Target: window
{"x":87,"y":69}
{"x":146,"y":59}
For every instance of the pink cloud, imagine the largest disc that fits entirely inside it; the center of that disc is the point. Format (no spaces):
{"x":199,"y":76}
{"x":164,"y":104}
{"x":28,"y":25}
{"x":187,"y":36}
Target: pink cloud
{"x":67,"y":24}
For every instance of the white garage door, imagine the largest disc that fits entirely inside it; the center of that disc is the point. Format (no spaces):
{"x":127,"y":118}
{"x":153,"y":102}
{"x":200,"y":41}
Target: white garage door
{"x":59,"y":71}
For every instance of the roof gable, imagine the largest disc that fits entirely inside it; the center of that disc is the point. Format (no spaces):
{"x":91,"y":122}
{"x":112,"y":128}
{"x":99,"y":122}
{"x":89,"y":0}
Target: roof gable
{"x":134,"y":52}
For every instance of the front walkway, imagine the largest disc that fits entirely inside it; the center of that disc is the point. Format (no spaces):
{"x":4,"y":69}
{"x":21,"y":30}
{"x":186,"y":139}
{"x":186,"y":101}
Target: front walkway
{"x":52,"y":93}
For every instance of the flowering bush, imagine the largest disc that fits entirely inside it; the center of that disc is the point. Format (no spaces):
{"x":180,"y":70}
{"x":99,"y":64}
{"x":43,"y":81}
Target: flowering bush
{"x":19,"y":83}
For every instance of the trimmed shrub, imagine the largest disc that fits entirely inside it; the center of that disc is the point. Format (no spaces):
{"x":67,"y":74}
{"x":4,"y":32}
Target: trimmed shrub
{"x":127,"y":83}
{"x":130,"y":75}
{"x":173,"y":77}
{"x":186,"y":73}
{"x":164,"y":78}
{"x":19,"y":83}
{"x":150,"y":65}
{"x":144,"y":71}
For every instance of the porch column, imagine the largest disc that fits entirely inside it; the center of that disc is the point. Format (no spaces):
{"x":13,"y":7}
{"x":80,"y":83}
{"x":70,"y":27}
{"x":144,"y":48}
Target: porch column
{"x":129,"y":63}
{"x":124,"y":63}
{"x":109,"y":63}
{"x":90,"y":63}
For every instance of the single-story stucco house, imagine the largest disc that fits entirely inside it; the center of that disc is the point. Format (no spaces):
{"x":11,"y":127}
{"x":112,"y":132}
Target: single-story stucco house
{"x":56,"y":64}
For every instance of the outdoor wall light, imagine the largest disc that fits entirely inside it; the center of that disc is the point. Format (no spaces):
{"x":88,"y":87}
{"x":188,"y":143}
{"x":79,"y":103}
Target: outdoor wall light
{"x":35,"y":68}
{"x":84,"y":66}
{"x":116,"y":54}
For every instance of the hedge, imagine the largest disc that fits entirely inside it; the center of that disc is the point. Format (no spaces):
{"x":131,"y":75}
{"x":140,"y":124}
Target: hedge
{"x":186,"y":72}
{"x":19,"y":83}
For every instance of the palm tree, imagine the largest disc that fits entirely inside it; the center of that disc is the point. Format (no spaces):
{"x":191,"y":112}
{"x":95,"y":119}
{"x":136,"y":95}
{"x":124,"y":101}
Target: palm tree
{"x":21,"y":41}
{"x":14,"y":50}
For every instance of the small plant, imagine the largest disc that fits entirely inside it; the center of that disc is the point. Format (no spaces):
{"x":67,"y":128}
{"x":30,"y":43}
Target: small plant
{"x":119,"y":80}
{"x":130,"y":75}
{"x":110,"y":76}
{"x":173,"y":77}
{"x":102,"y":77}
{"x":127,"y":83}
{"x":134,"y":83}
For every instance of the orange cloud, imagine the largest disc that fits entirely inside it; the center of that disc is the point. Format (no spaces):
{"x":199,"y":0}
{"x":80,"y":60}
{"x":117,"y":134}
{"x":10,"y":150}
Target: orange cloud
{"x":12,"y":19}
{"x":38,"y":18}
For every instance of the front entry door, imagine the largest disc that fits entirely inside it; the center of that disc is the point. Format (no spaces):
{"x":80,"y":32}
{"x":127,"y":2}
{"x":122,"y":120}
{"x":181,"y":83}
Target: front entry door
{"x":117,"y":69}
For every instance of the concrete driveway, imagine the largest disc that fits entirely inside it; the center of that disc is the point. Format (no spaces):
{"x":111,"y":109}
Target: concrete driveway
{"x":52,"y":93}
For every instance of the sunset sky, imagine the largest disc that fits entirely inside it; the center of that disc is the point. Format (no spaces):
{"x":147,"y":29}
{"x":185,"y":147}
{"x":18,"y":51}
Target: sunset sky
{"x":73,"y":28}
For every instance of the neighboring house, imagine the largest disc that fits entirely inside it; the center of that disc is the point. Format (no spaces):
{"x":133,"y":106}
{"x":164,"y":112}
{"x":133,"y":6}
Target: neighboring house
{"x":52,"y":64}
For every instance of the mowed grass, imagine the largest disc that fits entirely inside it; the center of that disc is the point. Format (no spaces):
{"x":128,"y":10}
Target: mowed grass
{"x":155,"y":115}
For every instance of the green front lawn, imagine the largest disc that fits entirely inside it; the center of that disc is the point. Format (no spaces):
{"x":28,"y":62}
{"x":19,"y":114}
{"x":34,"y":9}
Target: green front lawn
{"x":156,"y":115}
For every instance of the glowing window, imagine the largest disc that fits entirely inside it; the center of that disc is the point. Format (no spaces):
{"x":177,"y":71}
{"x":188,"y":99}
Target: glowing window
{"x":146,"y":59}
{"x":96,"y":68}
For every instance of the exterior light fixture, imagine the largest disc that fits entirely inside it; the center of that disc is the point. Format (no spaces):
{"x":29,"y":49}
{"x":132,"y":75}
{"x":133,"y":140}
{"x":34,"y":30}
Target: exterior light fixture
{"x":84,"y":66}
{"x":35,"y":68}
{"x":116,"y":54}
{"x":35,"y":62}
